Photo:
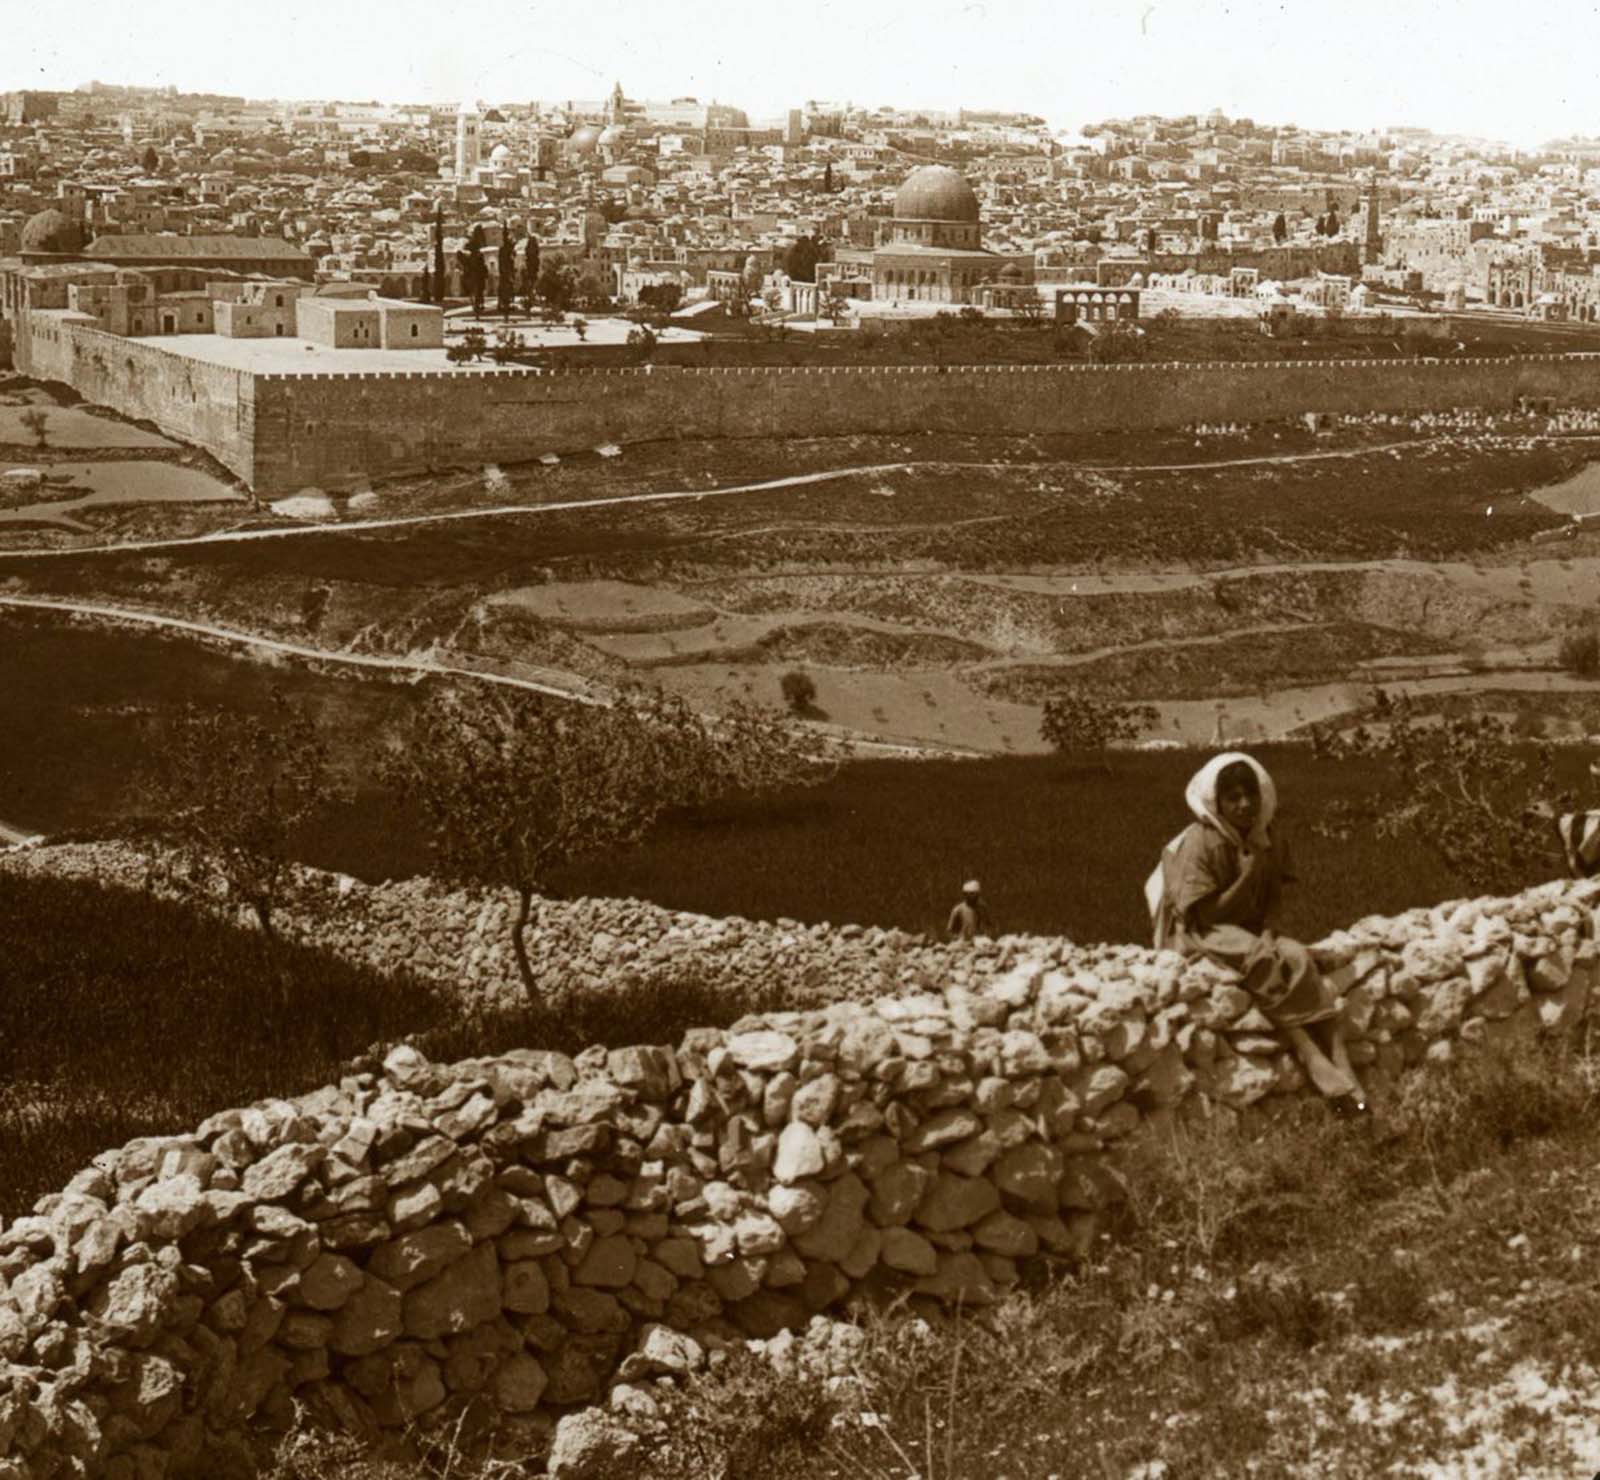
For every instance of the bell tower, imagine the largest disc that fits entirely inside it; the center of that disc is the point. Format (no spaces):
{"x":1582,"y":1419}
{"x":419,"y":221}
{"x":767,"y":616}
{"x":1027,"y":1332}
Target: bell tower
{"x":468,"y":142}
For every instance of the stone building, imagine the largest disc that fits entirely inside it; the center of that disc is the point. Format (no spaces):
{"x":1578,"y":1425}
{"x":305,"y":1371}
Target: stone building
{"x":368,"y":323}
{"x":1546,"y":292}
{"x":1444,"y":251}
{"x":933,"y":251}
{"x":264,"y":254}
{"x":257,"y":310}
{"x":131,"y":305}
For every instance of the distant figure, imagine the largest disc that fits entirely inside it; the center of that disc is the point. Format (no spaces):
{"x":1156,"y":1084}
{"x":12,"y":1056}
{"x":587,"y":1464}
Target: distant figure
{"x":970,"y":918}
{"x":1215,"y":893}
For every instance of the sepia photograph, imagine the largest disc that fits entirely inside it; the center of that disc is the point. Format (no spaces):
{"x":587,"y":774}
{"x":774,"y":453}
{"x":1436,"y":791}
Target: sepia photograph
{"x":844,"y":742}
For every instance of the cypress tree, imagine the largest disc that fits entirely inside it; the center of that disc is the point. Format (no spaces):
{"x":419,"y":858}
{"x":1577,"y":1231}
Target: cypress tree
{"x":439,"y":279}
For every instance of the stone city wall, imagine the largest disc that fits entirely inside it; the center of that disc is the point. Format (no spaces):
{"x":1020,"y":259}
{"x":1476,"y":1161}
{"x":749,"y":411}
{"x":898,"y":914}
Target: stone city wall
{"x":338,"y":430}
{"x":280,"y":433}
{"x":511,"y":1238}
{"x":195,"y":401}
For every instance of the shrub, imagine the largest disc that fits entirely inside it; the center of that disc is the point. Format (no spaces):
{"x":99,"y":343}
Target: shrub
{"x":743,"y":1419}
{"x":1076,"y":724}
{"x":508,"y":344}
{"x":799,"y":691}
{"x":1579,"y":652}
{"x":37,"y":422}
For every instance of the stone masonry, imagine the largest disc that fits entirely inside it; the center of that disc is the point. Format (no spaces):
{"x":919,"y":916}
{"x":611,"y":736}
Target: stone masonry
{"x":512,"y":1238}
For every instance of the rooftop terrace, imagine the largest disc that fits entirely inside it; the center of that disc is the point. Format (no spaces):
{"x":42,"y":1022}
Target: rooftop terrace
{"x":301,"y":357}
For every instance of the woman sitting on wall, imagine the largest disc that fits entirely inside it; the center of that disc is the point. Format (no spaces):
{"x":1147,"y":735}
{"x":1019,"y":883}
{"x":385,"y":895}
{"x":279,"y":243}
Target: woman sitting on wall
{"x":1215,"y":894}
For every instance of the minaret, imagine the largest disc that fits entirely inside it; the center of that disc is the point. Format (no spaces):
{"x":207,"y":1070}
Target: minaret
{"x":614,"y":109}
{"x":467,"y":143}
{"x":1373,"y":253}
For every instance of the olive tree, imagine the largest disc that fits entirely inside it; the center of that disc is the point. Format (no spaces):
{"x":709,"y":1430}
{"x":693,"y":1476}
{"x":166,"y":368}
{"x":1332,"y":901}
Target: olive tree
{"x":513,"y":785}
{"x":1080,"y":725}
{"x":1467,"y":789}
{"x":228,"y":794}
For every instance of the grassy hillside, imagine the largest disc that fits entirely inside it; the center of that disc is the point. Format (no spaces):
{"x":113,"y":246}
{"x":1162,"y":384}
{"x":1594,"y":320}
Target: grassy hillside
{"x":1059,"y":849}
{"x":129,"y":1016}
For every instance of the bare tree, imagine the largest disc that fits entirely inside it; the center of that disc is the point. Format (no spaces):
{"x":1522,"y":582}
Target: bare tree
{"x":228,"y":796}
{"x":514,"y":786}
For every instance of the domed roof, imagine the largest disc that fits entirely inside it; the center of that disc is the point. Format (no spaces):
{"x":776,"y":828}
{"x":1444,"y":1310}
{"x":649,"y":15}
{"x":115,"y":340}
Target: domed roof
{"x":52,"y":231}
{"x":500,"y":151}
{"x":1011,"y":273}
{"x":584,"y":140}
{"x":613,"y":134}
{"x":935,"y":192}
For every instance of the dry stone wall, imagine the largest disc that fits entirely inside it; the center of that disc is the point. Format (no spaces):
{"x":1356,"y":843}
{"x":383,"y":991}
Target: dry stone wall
{"x":515,"y":1237}
{"x":460,"y":938}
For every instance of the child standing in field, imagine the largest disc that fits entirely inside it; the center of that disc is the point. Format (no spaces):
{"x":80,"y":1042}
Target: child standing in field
{"x":1216,"y":893}
{"x":970,"y":918}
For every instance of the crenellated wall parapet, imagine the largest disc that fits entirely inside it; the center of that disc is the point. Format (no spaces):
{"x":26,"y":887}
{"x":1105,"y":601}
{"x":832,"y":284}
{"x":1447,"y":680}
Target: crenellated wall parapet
{"x":511,"y":1238}
{"x":281,"y":431}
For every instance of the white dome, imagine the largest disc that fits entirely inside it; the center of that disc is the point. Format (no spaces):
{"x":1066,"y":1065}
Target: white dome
{"x":500,"y":152}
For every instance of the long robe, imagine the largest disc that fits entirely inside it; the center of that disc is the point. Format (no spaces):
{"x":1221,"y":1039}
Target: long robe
{"x":1277,"y":972}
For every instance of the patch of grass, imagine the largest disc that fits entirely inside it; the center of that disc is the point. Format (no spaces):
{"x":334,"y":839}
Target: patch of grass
{"x":101,"y":984}
{"x":1263,"y":1355}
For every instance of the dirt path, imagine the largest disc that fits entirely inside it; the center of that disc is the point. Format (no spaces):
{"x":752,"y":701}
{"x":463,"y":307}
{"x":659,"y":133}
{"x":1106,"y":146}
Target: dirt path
{"x":418,"y":666}
{"x":404,"y":521}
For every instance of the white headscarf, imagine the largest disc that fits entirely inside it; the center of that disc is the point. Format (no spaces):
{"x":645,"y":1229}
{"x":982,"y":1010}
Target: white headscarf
{"x":1201,"y":796}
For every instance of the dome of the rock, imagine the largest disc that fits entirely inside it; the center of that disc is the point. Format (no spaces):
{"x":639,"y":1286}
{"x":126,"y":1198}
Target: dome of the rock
{"x":935,"y":192}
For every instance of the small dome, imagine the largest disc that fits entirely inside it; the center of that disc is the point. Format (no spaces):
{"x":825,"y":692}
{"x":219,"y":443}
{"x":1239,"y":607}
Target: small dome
{"x":614,"y":134}
{"x":585,"y":141}
{"x":500,"y":152}
{"x":935,"y":192}
{"x":1011,"y":273}
{"x":53,"y":231}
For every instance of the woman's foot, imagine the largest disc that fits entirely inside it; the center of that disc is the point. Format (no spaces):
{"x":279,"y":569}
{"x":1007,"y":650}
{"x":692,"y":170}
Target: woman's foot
{"x":1329,"y":1080}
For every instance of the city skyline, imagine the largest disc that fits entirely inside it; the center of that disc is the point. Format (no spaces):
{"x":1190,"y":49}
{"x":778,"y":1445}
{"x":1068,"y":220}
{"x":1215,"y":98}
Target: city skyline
{"x":1369,"y":66}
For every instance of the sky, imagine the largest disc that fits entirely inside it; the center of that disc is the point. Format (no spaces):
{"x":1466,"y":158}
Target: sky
{"x":1522,"y":73}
